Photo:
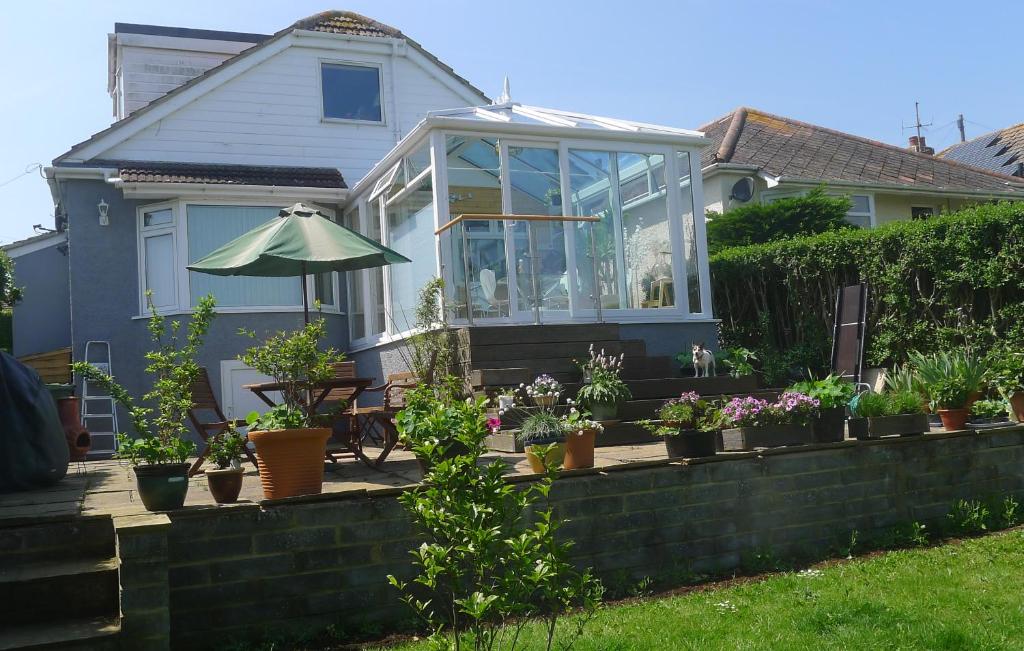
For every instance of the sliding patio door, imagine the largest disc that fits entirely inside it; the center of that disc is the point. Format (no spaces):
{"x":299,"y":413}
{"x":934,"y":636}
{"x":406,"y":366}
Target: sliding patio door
{"x":537,"y":247}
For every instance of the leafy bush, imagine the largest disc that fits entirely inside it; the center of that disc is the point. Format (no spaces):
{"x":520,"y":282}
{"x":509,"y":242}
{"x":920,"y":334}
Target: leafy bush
{"x":9,"y":293}
{"x":831,"y":391}
{"x":687,"y":412}
{"x":161,"y":431}
{"x":756,"y":223}
{"x":434,"y":347}
{"x":486,"y":566}
{"x":895,"y":403}
{"x":949,"y":393}
{"x":937,"y":284}
{"x":226,"y":447}
{"x":988,"y":409}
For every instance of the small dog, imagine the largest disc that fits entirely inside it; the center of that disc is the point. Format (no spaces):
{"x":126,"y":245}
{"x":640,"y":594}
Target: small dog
{"x":703,"y":360}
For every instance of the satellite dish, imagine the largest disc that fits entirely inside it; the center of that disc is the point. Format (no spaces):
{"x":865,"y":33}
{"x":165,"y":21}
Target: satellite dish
{"x":742,"y":190}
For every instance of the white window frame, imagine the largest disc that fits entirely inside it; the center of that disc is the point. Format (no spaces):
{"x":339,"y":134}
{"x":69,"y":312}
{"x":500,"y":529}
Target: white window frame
{"x":178,"y":229}
{"x":383,"y":122}
{"x":870,"y":214}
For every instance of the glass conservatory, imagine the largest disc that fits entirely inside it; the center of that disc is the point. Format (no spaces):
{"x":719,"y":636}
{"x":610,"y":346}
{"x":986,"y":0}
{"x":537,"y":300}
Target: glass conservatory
{"x":533,"y":216}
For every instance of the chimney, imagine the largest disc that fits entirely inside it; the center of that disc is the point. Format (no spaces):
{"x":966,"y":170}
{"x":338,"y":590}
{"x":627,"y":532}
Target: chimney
{"x":918,"y":144}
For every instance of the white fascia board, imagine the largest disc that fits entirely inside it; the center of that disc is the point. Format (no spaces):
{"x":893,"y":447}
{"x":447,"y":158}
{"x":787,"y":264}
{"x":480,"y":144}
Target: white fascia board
{"x":183,"y":43}
{"x":413,"y":139}
{"x":714,"y":168}
{"x":16,"y":250}
{"x":902,"y":189}
{"x":158,"y":110}
{"x":100,"y":173}
{"x":228,"y":191}
{"x":556,"y":131}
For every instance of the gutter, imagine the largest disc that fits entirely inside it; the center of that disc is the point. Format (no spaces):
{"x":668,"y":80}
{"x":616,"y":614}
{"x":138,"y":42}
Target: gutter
{"x":906,"y":189}
{"x":143,"y":190}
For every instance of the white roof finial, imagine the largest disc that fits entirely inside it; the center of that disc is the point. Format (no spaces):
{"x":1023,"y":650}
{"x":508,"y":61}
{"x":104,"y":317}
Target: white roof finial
{"x":506,"y":94}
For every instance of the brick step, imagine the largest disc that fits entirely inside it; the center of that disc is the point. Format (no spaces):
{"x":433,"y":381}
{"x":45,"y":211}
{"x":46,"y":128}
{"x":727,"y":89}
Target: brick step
{"x":87,"y":634}
{"x":617,"y":433}
{"x":583,"y":332}
{"x":481,"y":355}
{"x":75,"y":538}
{"x":524,"y":371}
{"x":58,"y":590}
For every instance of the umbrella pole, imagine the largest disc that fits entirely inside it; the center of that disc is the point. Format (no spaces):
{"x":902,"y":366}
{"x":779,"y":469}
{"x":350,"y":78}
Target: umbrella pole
{"x":305,"y":297}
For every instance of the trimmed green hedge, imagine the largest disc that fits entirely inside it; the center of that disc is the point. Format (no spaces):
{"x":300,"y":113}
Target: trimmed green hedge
{"x":933,"y":284}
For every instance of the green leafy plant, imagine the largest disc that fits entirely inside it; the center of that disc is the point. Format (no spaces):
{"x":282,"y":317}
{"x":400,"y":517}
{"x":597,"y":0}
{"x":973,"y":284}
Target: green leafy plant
{"x":949,"y":393}
{"x":969,"y":517}
{"x":686,"y":413}
{"x":434,"y":346}
{"x":936,"y":367}
{"x":295,"y":360}
{"x":1006,"y":370}
{"x":436,"y":418}
{"x":9,"y":292}
{"x":226,"y":448}
{"x":541,"y":426}
{"x":895,"y":403}
{"x":831,"y":391}
{"x":486,"y":567}
{"x":989,"y":409}
{"x":160,"y":431}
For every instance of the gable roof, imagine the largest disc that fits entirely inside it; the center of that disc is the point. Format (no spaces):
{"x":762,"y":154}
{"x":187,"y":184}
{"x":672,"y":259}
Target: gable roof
{"x":1000,"y":151}
{"x":215,"y":174}
{"x":331,"y":22}
{"x":793,"y":150}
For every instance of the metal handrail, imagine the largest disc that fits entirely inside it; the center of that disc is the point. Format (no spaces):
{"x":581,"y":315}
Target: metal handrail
{"x":525,"y":218}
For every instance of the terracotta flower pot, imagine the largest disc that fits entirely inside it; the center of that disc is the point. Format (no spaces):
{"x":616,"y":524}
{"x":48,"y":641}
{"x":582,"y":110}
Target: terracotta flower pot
{"x":579,"y":450}
{"x":1017,"y":406}
{"x":225,"y":484}
{"x":554,"y":457}
{"x":953,"y":419}
{"x":77,"y":436}
{"x":291,"y":461}
{"x":162,"y":486}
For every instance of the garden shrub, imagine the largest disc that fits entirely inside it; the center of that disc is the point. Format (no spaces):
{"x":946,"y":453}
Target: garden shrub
{"x":934,"y":284}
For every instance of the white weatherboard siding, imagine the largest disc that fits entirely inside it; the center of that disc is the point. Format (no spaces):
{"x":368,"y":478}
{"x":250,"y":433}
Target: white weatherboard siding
{"x":271,"y":114}
{"x":149,"y":67}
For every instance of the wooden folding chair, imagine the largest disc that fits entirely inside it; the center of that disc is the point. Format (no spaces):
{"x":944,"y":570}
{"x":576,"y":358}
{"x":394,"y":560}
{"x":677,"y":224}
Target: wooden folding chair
{"x":378,"y":422}
{"x":343,"y":395}
{"x":203,"y":400}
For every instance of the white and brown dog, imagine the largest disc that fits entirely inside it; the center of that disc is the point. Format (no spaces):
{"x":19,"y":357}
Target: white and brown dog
{"x":703,"y":361}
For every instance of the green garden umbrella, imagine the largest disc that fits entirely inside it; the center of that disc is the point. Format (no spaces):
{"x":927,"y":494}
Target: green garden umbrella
{"x":302,"y":241}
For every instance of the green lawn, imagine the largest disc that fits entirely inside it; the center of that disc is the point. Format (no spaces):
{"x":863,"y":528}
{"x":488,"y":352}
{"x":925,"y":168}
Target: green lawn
{"x":965,"y":595}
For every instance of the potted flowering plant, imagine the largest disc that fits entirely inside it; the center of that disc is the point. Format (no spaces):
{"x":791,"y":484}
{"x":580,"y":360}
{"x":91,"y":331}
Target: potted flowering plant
{"x":756,"y":423}
{"x":951,"y":398}
{"x":543,"y":437}
{"x":689,"y":425}
{"x":158,"y":453}
{"x":833,"y":394}
{"x":225,"y":451}
{"x":580,"y":435}
{"x":891,"y":413}
{"x":290,"y":443}
{"x":543,"y":391}
{"x":603,"y":389}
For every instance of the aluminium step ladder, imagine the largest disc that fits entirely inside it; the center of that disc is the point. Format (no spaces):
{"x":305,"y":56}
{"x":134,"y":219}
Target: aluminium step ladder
{"x":99,"y":411}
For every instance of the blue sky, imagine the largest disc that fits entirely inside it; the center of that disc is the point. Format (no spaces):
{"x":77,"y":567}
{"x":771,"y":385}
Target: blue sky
{"x":857,"y":67}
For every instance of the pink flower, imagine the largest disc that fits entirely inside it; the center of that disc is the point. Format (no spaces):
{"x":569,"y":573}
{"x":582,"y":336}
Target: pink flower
{"x":493,"y":424}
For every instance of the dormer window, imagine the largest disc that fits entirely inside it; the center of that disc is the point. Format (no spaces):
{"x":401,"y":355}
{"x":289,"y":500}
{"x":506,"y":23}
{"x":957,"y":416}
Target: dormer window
{"x":351,"y":92}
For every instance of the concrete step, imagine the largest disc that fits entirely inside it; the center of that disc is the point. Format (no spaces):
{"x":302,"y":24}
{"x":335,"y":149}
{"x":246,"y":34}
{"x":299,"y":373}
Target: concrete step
{"x":59,"y":590}
{"x":85,"y":634}
{"x":74,"y":538}
{"x":523,"y":334}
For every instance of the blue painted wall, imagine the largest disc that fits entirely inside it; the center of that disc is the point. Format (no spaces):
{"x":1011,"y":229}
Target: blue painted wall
{"x":42,"y":319}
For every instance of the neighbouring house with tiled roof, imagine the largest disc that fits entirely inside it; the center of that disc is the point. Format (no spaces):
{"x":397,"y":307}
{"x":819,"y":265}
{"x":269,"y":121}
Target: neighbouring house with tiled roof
{"x":216,"y":132}
{"x":757,"y":156}
{"x":999,"y":151}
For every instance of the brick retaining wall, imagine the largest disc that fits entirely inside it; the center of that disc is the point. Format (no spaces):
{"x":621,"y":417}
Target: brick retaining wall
{"x":299,"y":565}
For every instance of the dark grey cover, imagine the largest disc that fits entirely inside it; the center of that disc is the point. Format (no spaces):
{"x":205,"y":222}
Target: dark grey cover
{"x":33,"y":450}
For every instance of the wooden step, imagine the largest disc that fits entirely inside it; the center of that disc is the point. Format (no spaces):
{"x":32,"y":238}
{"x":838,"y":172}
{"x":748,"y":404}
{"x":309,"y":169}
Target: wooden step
{"x":579,"y":332}
{"x":481,"y":354}
{"x":564,"y":371}
{"x":670,"y":387}
{"x":86,"y":634}
{"x":615,"y":433}
{"x":73,"y":538}
{"x":58,"y":590}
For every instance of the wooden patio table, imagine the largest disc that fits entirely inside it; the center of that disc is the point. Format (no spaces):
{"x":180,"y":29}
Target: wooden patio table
{"x":316,"y":393}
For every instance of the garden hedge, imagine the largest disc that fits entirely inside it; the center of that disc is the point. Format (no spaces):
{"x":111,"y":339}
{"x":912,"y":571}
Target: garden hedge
{"x":948,"y":281}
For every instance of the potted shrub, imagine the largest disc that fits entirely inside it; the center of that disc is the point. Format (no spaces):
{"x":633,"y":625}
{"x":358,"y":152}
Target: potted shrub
{"x":290,"y":443}
{"x":158,"y":453}
{"x":689,"y":425}
{"x":833,"y":394}
{"x":225,"y":452}
{"x":543,"y":439}
{"x":988,"y":413}
{"x":950,"y":397}
{"x":935,"y":367}
{"x":892,"y":413}
{"x":437,"y":423}
{"x":603,"y":390}
{"x":580,"y":435}
{"x":1006,"y":374}
{"x":756,"y":423}
{"x":544,"y":390}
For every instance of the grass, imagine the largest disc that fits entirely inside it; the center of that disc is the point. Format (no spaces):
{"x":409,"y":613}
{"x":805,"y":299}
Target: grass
{"x":961,"y":595}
